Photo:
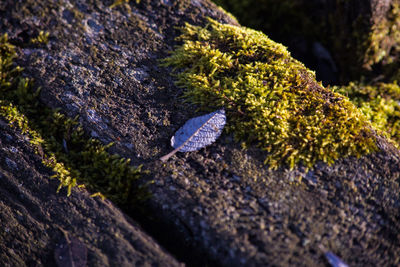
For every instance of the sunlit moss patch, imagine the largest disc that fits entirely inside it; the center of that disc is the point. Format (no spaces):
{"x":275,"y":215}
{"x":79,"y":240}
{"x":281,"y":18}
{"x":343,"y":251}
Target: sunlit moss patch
{"x":42,"y":38}
{"x":379,"y":103}
{"x":271,"y":99}
{"x":61,"y":142}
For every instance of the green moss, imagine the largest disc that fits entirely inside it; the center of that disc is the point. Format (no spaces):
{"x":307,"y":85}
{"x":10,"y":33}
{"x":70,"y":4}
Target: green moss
{"x":382,"y":44}
{"x":379,"y":103}
{"x":383,"y":38}
{"x":61,"y":141}
{"x":120,"y":2}
{"x":42,"y":38}
{"x":271,"y":99}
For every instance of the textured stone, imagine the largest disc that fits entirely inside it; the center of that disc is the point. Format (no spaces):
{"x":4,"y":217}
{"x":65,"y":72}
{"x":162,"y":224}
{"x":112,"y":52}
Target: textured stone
{"x":218,"y":206}
{"x":34,"y":218}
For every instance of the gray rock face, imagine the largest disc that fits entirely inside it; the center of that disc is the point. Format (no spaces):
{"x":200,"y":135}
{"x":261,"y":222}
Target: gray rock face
{"x":220,"y":205}
{"x":33,"y":218}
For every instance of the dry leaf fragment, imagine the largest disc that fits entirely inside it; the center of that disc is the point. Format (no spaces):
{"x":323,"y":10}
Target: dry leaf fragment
{"x":197,"y":133}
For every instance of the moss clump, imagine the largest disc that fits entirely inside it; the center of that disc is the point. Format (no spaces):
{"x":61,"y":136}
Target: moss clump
{"x":271,"y":99}
{"x":61,"y":141}
{"x":383,"y":38}
{"x":381,"y":46}
{"x":379,"y":103}
{"x":42,"y":38}
{"x":120,"y":2}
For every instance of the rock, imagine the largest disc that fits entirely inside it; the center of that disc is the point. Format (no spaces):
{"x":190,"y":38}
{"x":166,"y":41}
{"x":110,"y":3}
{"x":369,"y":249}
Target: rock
{"x":34,"y":219}
{"x":360,"y":35}
{"x":218,"y":206}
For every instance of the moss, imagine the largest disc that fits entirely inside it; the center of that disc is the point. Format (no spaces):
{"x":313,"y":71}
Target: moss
{"x":383,"y":37}
{"x":271,"y":99}
{"x":379,"y":103}
{"x":42,"y":38}
{"x":61,"y":141}
{"x":381,"y":45}
{"x":361,"y":47}
{"x":120,"y":2}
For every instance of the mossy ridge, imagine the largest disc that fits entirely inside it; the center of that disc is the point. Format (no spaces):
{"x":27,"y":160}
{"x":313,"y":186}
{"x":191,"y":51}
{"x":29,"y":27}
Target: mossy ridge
{"x":380,"y":103}
{"x":61,"y":141}
{"x":271,"y":99}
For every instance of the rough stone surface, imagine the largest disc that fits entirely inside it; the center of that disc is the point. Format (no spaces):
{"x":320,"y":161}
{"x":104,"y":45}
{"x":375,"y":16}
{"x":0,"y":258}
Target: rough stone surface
{"x":350,"y":26}
{"x":344,"y":28}
{"x":34,"y":218}
{"x":221,"y":205}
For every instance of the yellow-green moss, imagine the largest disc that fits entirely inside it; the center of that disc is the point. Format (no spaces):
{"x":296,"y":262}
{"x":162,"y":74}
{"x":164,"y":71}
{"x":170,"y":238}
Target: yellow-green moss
{"x":42,"y":38}
{"x":61,"y":141}
{"x":17,"y":119}
{"x":380,"y":104}
{"x":381,"y":46}
{"x":384,"y":37}
{"x":120,"y":2}
{"x":271,"y":99}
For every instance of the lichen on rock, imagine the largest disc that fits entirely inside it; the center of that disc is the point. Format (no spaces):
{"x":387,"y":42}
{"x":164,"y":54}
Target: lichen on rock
{"x":271,"y":99}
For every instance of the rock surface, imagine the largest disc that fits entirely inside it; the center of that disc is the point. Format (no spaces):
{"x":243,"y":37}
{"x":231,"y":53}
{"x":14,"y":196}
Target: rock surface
{"x":218,"y":206}
{"x":360,"y":36}
{"x":34,"y":219}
